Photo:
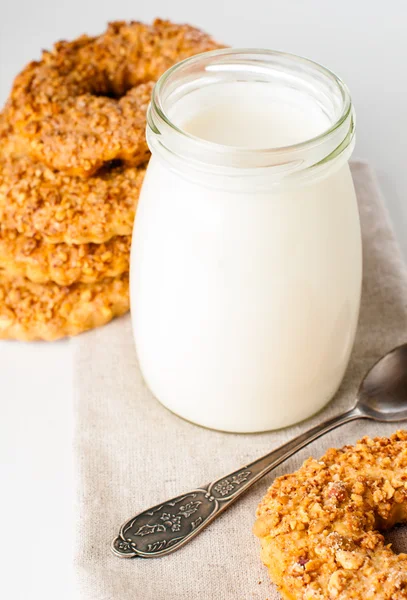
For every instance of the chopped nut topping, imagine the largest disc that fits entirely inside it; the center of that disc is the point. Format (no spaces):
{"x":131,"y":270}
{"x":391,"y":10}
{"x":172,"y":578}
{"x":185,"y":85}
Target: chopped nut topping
{"x":338,"y":552}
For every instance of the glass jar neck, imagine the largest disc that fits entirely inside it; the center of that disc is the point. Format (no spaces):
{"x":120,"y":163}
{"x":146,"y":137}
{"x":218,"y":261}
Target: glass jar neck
{"x":183,"y":150}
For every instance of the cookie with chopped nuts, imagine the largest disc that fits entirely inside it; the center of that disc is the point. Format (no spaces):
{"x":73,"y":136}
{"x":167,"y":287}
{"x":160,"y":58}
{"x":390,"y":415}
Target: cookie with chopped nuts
{"x":34,"y":311}
{"x":84,"y":102}
{"x":320,"y":528}
{"x":37,"y":201}
{"x":65,"y":264}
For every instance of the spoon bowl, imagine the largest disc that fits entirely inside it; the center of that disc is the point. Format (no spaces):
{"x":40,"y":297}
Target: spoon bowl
{"x":382,"y":395}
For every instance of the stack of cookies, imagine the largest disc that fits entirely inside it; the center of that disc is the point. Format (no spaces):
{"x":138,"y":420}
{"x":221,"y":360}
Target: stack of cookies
{"x":72,"y":160}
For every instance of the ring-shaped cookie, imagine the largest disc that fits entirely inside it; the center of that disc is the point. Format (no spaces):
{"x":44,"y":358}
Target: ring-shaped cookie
{"x":84,"y":103}
{"x":320,"y":528}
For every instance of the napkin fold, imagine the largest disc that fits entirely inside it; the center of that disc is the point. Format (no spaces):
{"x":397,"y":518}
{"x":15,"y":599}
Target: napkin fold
{"x":131,"y":453}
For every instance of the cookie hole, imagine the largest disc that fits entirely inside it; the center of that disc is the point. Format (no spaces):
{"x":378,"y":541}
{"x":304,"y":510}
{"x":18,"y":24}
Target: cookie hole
{"x":113,"y":90}
{"x":397,"y":537}
{"x":108,"y":94}
{"x":115,"y":164}
{"x":107,"y":167}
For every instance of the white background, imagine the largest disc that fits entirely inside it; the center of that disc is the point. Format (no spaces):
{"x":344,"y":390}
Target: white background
{"x":362,"y":40}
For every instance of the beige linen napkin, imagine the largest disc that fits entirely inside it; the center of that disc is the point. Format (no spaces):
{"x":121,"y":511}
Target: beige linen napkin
{"x":132,"y":453}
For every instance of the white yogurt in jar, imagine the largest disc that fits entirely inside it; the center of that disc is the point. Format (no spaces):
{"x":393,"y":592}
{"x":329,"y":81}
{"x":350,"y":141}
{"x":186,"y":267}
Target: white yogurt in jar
{"x":249,"y":114}
{"x":245,"y":298}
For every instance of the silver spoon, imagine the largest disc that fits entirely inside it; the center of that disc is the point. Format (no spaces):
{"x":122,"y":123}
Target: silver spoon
{"x":382,"y":396}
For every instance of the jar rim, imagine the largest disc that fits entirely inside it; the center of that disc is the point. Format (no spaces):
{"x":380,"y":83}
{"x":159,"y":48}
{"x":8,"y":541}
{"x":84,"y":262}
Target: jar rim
{"x":164,"y":134}
{"x":347,"y":104}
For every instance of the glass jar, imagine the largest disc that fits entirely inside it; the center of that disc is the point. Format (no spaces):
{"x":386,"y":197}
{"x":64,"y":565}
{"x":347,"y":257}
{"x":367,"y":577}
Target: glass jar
{"x":246,"y":260}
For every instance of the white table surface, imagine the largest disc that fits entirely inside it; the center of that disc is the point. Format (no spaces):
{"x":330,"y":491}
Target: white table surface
{"x":363,"y":41}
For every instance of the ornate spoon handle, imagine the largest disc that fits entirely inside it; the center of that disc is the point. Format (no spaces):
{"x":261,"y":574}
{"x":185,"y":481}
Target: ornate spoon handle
{"x":166,"y":527}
